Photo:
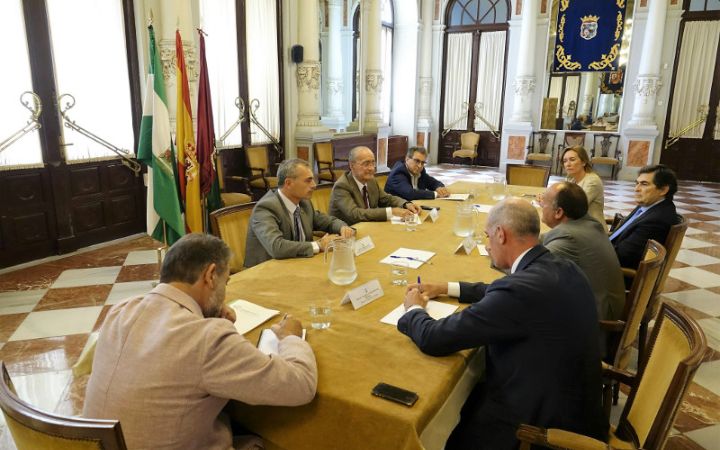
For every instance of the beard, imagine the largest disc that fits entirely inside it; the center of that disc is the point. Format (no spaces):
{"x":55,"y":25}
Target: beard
{"x":214,"y":306}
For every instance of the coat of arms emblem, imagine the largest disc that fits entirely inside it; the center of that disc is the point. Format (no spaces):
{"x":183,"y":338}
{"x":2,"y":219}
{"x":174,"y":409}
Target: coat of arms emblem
{"x":588,"y":27}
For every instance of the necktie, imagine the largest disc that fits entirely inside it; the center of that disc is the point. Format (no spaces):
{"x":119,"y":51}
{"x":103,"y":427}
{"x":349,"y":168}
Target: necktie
{"x":627,"y":222}
{"x":366,"y":197}
{"x":298,"y":225}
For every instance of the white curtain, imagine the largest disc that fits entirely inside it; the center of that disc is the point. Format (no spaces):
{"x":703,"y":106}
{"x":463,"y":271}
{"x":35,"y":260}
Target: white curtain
{"x":491,"y":70}
{"x":572,"y":86}
{"x":694,"y":75}
{"x":217,"y":18}
{"x":91,"y":64}
{"x":457,"y":78}
{"x":386,"y":50}
{"x":15,"y":80}
{"x":556,"y":85}
{"x":262,"y":58}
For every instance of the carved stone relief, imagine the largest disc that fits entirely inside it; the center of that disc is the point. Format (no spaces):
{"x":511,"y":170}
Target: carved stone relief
{"x":374,"y":81}
{"x":524,"y":85}
{"x":308,"y":76}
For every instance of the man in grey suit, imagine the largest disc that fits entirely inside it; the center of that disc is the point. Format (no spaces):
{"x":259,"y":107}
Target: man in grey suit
{"x":581,"y":239}
{"x":356,"y":196}
{"x":283,"y":221}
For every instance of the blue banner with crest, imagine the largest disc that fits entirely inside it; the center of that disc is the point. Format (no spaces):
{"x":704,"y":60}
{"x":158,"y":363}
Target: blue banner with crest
{"x":589,"y":35}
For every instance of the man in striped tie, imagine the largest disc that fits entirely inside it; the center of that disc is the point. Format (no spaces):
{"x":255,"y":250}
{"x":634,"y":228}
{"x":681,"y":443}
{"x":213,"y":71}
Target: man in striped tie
{"x":283,"y":221}
{"x":651,"y":219}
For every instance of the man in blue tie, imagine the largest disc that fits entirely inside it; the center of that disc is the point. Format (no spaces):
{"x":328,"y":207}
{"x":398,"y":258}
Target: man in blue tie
{"x":651,"y":219}
{"x":283,"y":221}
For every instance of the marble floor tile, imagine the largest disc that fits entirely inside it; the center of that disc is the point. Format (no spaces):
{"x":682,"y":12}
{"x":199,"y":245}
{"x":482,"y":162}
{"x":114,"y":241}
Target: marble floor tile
{"x":691,"y":231}
{"x":698,"y":409}
{"x":692,"y":243}
{"x":695,"y":276}
{"x":9,"y":323}
{"x":42,"y":355}
{"x":71,"y":401}
{"x":712,"y":251}
{"x":711,"y":327}
{"x":101,"y":317}
{"x":87,"y":277}
{"x":141,"y":257}
{"x":37,"y":277}
{"x":713,"y":237}
{"x":121,"y":291}
{"x":690,"y":311}
{"x":694,"y":258}
{"x":74,"y":297}
{"x":41,"y":390}
{"x":706,"y":301}
{"x":61,"y":322}
{"x":139,"y":272}
{"x":674,"y":285}
{"x":708,"y":437}
{"x":708,"y":376}
{"x":682,"y":442}
{"x":14,"y":302}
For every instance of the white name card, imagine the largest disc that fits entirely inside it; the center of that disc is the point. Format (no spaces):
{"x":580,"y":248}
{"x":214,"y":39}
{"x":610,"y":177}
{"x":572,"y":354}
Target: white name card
{"x":363,"y":245}
{"x":467,"y":245}
{"x":362,"y":295}
{"x":434,"y":215}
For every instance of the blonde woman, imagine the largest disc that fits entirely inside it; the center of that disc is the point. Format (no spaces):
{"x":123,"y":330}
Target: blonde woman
{"x":577,"y":165}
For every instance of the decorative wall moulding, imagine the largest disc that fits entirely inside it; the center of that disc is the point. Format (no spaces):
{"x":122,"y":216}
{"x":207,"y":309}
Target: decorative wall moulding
{"x":374,"y":81}
{"x":168,"y":57}
{"x":308,"y":76}
{"x":335,"y":87}
{"x":647,"y":86}
{"x":524,"y":85}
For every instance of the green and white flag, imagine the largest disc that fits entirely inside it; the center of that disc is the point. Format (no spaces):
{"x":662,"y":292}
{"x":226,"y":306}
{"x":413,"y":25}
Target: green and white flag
{"x":155,"y":149}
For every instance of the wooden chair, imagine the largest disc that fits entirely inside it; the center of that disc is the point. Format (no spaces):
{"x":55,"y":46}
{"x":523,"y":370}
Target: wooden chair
{"x":231,"y":224}
{"x":676,"y":351}
{"x":672,"y":245}
{"x":258,"y":162}
{"x":468,"y":146}
{"x":326,"y":162}
{"x":234,"y":190}
{"x":33,"y":429}
{"x":525,"y":175}
{"x":382,"y":179}
{"x":623,"y":333}
{"x":321,"y":197}
{"x":542,"y":148}
{"x":606,"y":152}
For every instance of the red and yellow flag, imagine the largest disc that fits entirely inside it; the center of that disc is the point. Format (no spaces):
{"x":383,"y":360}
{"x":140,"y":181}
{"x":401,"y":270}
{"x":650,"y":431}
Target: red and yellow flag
{"x":188,"y":168}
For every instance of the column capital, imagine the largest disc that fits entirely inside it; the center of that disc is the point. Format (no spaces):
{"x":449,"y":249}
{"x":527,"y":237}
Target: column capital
{"x":647,"y":85}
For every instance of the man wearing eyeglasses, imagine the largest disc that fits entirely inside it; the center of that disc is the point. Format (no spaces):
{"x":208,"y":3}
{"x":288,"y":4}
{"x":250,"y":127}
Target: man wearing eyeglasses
{"x":357,"y":197}
{"x":410,"y":181}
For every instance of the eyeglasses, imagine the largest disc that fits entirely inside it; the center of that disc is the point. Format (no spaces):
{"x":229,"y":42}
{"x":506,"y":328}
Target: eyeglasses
{"x":419,"y":162}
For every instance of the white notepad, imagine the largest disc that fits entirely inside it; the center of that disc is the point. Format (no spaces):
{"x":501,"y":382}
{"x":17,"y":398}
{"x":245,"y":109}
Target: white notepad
{"x":269,"y":342}
{"x":413,"y":258}
{"x":436,"y":310}
{"x":249,"y":315}
{"x":456,"y":197}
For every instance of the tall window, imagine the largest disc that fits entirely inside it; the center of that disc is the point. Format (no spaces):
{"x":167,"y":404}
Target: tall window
{"x":475,"y":64}
{"x":102,"y":94}
{"x":26,"y":150}
{"x":386,"y":49}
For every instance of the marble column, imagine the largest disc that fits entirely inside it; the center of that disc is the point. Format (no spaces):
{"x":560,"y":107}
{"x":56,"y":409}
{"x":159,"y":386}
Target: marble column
{"x":589,"y":91}
{"x":424,"y":120}
{"x":335,"y":117}
{"x":525,"y":78}
{"x":374,"y":80}
{"x":308,"y":72}
{"x":648,"y":82}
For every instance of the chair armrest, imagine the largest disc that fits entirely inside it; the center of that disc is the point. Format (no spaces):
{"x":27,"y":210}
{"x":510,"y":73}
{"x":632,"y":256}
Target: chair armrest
{"x":257,"y":169}
{"x":628,"y":272}
{"x":321,"y":165}
{"x":558,"y":439}
{"x":620,"y":375}
{"x":235,"y":183}
{"x":613,"y":326}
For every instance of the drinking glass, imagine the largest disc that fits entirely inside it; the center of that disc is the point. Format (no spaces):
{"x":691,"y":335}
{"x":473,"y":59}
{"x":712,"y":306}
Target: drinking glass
{"x":320,"y":314}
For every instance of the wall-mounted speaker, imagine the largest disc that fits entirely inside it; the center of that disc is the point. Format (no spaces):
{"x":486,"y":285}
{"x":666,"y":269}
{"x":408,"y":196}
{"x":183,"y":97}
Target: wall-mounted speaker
{"x":296,"y":53}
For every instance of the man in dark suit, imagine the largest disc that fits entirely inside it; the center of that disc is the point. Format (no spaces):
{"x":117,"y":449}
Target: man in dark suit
{"x":651,"y":219}
{"x":283,"y":221}
{"x":410,"y":181}
{"x":357,"y":197}
{"x":539,"y":326}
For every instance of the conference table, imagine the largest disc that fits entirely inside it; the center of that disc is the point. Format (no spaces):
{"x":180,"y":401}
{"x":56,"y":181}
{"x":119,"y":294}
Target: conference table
{"x":358,"y":351}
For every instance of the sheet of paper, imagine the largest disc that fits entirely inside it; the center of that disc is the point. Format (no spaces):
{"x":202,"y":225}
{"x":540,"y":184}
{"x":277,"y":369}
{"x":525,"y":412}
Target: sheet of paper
{"x":437,"y":310}
{"x":456,"y":197}
{"x":249,"y":315}
{"x":414,"y":258}
{"x":268,"y":342}
{"x":482,"y":208}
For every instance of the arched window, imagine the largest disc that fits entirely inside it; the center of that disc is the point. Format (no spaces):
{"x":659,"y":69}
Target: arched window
{"x":386,"y":50}
{"x":474,"y":73}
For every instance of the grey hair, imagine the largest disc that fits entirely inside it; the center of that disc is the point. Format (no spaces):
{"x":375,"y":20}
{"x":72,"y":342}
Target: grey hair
{"x":289,"y":169}
{"x":411,"y":151}
{"x":517,"y":215}
{"x":352,"y":157}
{"x":187,"y":258}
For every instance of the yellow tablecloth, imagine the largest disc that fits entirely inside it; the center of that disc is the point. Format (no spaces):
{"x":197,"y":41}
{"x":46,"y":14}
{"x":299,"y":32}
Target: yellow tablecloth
{"x":358,"y":351}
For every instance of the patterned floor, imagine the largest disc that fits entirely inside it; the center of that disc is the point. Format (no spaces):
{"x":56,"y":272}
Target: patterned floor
{"x":49,"y":308}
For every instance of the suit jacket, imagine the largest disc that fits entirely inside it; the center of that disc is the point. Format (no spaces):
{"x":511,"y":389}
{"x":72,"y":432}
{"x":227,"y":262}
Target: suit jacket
{"x":540,"y":330}
{"x":270,"y":234}
{"x":347,"y":204}
{"x":593,"y":187}
{"x":399,"y":183}
{"x":166,"y":372}
{"x":654,"y":223}
{"x":583,"y":241}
